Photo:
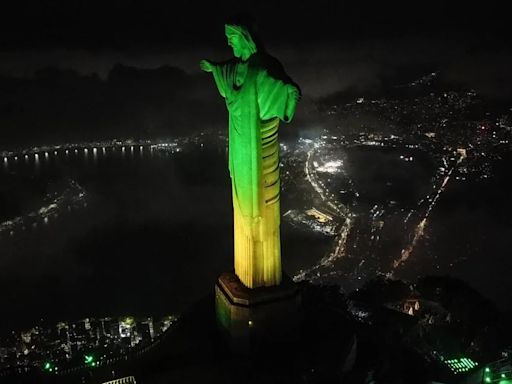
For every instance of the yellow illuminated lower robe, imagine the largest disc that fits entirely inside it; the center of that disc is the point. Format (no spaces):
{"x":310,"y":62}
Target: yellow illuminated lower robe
{"x":257,"y":242}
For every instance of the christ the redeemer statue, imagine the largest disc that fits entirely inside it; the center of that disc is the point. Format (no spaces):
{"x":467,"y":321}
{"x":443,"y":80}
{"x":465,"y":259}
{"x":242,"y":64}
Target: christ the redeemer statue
{"x":258,"y":94}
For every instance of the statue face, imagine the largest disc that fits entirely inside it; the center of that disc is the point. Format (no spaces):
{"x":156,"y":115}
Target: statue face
{"x":240,"y":40}
{"x":235,"y":42}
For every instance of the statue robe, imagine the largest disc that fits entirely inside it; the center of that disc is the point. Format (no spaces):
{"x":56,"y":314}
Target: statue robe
{"x":257,"y":95}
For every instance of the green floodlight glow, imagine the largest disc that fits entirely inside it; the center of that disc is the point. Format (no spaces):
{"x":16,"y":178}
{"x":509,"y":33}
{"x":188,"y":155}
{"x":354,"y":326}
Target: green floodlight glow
{"x":487,"y":379}
{"x":487,"y":369}
{"x":461,"y":365}
{"x":89,"y":360}
{"x":49,"y":367}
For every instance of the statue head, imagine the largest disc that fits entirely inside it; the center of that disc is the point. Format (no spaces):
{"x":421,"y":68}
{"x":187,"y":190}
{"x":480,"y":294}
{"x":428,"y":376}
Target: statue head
{"x":240,"y":39}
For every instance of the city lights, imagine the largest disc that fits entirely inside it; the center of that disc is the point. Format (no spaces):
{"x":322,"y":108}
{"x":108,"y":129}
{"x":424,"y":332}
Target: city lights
{"x":65,"y":342}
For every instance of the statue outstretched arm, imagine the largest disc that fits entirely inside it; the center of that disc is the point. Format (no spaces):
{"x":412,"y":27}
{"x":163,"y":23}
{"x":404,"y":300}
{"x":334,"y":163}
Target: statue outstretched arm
{"x":222,"y":74}
{"x":206,"y":66}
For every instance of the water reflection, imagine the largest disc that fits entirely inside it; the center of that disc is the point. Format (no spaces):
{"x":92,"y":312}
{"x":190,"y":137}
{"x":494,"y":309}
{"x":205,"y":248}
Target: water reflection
{"x":36,"y":162}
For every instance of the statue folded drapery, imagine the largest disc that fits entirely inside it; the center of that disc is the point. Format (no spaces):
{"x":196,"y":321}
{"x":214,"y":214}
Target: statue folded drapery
{"x":258,"y":95}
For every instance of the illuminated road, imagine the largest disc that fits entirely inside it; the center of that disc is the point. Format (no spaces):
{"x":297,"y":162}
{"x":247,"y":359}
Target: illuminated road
{"x":340,"y":242}
{"x":363,"y":239}
{"x":420,"y":228}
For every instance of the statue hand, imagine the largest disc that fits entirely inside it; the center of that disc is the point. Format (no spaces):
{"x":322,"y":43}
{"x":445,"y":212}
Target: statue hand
{"x":294,"y":93}
{"x":206,"y":65}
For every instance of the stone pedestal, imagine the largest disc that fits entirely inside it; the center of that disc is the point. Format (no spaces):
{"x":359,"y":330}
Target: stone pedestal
{"x":254,"y":319}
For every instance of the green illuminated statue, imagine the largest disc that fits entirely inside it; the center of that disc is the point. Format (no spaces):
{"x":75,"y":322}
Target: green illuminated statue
{"x":258,"y":94}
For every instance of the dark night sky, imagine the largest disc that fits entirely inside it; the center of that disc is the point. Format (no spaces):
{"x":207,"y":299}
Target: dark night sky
{"x":121,"y":24}
{"x":328,"y":45}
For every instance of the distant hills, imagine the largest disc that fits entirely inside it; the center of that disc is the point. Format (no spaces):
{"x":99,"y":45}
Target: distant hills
{"x":62,"y":105}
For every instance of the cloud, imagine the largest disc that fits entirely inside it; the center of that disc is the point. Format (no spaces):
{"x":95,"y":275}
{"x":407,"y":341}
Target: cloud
{"x":321,"y":68}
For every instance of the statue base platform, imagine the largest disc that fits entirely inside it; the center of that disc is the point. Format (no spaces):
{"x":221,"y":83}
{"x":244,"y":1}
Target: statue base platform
{"x":253,"y":319}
